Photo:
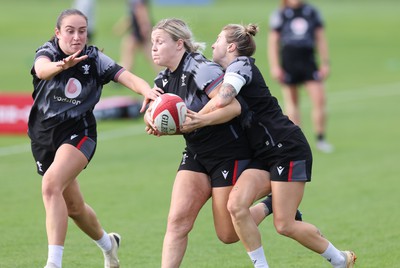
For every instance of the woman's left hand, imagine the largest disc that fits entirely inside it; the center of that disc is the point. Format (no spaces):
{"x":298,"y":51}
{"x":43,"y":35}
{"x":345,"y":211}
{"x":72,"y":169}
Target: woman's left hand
{"x":150,"y":95}
{"x":192,"y":122}
{"x":71,"y":60}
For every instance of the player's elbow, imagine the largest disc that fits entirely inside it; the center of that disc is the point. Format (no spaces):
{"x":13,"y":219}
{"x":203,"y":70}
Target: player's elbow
{"x":40,"y":74}
{"x":222,"y":102}
{"x":43,"y":74}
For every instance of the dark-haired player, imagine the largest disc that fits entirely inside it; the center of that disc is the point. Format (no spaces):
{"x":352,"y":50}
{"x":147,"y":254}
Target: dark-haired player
{"x":68,"y":78}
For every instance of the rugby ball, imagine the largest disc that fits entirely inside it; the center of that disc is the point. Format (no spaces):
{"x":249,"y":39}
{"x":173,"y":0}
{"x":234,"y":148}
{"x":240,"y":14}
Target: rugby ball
{"x":168,"y":113}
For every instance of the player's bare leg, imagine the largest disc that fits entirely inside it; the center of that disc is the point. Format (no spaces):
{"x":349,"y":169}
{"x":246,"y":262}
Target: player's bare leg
{"x":291,"y":103}
{"x":252,"y":185}
{"x":82,"y":214}
{"x":305,"y":233}
{"x":190,"y":192}
{"x":67,"y":164}
{"x":316,"y":91}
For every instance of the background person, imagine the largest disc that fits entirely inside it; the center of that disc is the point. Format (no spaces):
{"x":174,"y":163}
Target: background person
{"x":88,"y":7}
{"x":135,"y":30}
{"x":296,"y":35}
{"x":68,"y":77}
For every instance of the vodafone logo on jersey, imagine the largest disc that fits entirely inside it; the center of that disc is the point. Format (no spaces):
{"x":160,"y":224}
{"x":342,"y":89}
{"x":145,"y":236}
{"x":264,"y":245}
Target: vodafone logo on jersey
{"x":73,"y":88}
{"x":299,"y":26}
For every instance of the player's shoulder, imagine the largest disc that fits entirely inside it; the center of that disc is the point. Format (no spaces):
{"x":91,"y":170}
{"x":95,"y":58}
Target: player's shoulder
{"x":51,"y":44}
{"x":313,"y":12}
{"x":242,"y":66}
{"x":276,"y":18}
{"x":197,"y":63}
{"x":196,"y":59}
{"x":310,"y":9}
{"x":309,"y":6}
{"x":48,"y":49}
{"x":241,"y":62}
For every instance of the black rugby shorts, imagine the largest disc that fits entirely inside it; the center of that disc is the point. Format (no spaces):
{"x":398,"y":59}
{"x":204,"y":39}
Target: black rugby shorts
{"x":299,"y":67}
{"x":289,"y":160}
{"x":222,"y":172}
{"x":81,"y":134}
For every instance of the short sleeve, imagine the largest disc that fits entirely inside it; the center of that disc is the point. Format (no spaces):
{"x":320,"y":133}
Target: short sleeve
{"x":47,"y":50}
{"x":107,"y":68}
{"x":275,"y":20}
{"x":241,"y":66}
{"x":208,"y":76}
{"x":318,"y":18}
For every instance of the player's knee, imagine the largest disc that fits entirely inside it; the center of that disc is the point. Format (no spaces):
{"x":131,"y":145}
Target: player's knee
{"x":75,"y":209}
{"x":179,"y":225}
{"x":228,"y":238}
{"x":235,"y":209}
{"x":49,"y":193}
{"x":50,"y":190}
{"x":284,"y":227}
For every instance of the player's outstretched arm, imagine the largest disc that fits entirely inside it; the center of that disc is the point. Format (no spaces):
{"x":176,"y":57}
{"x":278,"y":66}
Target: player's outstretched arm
{"x":140,"y":86}
{"x":46,"y":69}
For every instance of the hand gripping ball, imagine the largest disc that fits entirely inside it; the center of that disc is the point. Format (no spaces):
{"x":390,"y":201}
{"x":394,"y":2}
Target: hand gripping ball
{"x":168,"y":113}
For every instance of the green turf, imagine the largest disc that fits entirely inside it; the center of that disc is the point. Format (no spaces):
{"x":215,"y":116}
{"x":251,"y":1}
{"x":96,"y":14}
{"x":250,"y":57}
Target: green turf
{"x":353,"y":197}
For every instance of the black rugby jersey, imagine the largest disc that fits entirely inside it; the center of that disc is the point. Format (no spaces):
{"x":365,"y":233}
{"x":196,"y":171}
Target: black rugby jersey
{"x":268,"y":118}
{"x":193,"y":80}
{"x":297,"y":26}
{"x":73,"y":92}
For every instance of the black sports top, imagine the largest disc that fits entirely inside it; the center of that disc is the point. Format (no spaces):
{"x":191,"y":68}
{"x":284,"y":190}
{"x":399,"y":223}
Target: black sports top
{"x":193,"y":80}
{"x":72,"y":93}
{"x":296,"y":26}
{"x":268,"y":118}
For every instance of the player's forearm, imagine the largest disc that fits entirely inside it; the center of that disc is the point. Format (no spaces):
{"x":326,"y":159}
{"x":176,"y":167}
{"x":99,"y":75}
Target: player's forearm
{"x":273,"y":49}
{"x":134,"y":83}
{"x":322,"y":47}
{"x":46,"y":70}
{"x":224,"y":114}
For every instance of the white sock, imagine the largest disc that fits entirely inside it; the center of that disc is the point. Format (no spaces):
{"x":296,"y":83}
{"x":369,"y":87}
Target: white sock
{"x":55,"y":254}
{"x":334,"y":256}
{"x":258,"y":258}
{"x":104,"y":242}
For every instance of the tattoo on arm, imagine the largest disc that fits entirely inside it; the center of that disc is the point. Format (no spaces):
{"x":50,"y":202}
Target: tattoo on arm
{"x":227,"y":93}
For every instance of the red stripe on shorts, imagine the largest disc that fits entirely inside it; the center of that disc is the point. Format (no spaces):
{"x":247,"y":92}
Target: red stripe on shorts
{"x":235,"y":170}
{"x":290,"y":175}
{"x":81,"y":142}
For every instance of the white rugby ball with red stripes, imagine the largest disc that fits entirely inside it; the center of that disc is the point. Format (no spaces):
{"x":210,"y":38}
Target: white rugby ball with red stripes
{"x":168,"y":113}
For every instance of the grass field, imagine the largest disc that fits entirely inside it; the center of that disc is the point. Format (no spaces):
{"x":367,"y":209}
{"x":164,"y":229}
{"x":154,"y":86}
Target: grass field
{"x":353,"y":197}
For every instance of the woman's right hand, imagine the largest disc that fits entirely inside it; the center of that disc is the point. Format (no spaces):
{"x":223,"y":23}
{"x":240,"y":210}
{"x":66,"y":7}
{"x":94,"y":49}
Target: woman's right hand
{"x":150,"y":127}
